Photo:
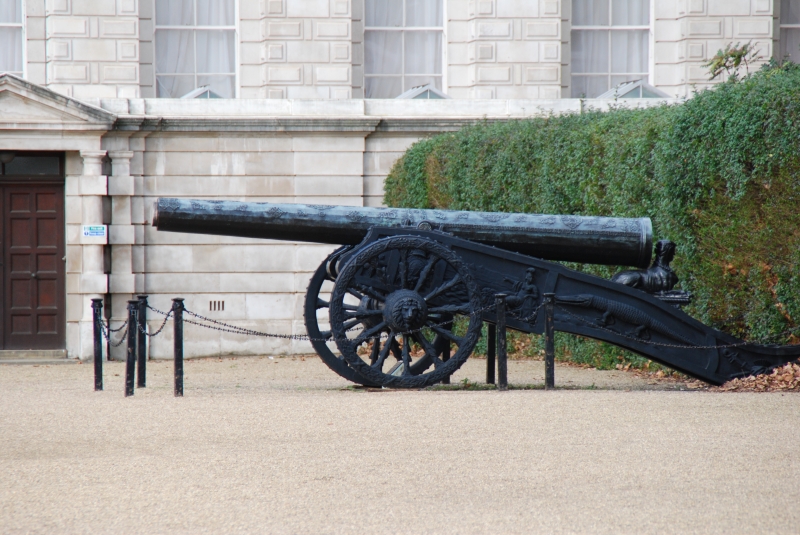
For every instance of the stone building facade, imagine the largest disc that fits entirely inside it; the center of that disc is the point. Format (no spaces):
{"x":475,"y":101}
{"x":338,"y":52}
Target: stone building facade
{"x":88,"y":88}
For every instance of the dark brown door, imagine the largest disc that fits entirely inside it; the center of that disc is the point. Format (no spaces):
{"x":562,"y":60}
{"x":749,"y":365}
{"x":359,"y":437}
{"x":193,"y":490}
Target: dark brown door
{"x":33,"y":293}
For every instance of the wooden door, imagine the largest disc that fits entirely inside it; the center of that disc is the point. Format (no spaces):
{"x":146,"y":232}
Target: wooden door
{"x":32,"y":242}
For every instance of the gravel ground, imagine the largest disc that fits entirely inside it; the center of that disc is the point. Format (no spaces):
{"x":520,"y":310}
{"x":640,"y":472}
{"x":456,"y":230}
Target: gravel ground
{"x":282,"y":445}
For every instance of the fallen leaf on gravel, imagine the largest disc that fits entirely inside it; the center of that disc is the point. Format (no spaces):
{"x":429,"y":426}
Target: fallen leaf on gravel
{"x":783,"y":379}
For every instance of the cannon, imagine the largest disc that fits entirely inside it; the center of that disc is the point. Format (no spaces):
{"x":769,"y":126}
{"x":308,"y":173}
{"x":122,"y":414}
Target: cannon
{"x":401,"y":303}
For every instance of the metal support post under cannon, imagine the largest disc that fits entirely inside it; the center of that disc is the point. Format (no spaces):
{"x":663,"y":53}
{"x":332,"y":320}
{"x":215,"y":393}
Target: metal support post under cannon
{"x":491,"y":351}
{"x":130,"y":360}
{"x":502,"y":350}
{"x":549,"y":342}
{"x":177,"y":310}
{"x":97,"y":317}
{"x":141,"y":329}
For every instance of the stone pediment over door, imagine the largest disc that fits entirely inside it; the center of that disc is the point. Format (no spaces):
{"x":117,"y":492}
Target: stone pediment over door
{"x":27,"y":106}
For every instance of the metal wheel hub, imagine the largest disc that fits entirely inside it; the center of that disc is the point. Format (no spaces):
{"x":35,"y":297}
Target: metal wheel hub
{"x":405,"y":311}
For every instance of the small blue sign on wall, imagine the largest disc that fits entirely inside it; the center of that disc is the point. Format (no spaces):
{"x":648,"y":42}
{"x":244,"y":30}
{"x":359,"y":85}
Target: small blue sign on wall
{"x":94,"y":234}
{"x":94,"y":231}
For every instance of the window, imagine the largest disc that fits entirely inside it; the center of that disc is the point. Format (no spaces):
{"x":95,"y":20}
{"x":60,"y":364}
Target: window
{"x":195,"y":45}
{"x":610,"y":44}
{"x":790,"y":30}
{"x":11,"y":37}
{"x":402,"y":46}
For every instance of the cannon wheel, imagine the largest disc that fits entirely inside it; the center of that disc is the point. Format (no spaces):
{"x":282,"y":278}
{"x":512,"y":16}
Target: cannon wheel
{"x":400,"y":292}
{"x":322,"y":340}
{"x":316,"y":304}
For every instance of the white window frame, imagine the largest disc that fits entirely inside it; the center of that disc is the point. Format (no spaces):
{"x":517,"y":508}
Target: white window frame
{"x":236,"y":44}
{"x":782,"y":27}
{"x":609,"y":28}
{"x":23,"y":25}
{"x":442,"y":29}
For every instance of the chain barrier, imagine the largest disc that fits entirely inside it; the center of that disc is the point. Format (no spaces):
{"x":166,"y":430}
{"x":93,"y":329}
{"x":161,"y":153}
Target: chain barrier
{"x":221,"y":326}
{"x":531,"y":318}
{"x":110,"y":330}
{"x":106,"y":332}
{"x":157,"y":311}
{"x":158,"y":331}
{"x":226,"y":327}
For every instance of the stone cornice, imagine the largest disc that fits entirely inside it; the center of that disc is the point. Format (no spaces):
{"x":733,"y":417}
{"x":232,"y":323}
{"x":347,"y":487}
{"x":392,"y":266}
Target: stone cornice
{"x":247,"y":124}
{"x":433,"y":124}
{"x":76,"y":127}
{"x":143,"y":116}
{"x":365,"y":125}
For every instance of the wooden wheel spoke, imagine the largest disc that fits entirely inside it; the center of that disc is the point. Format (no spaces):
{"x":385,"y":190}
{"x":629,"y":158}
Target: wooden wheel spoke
{"x":447,"y":334}
{"x":369,"y":333}
{"x":370,"y":292}
{"x":355,"y":294}
{"x":325,"y":335}
{"x":404,"y":268}
{"x":426,"y":345}
{"x":444,"y":287}
{"x":378,"y":364}
{"x":347,"y":306}
{"x":350,"y":324}
{"x":406,"y":355}
{"x":396,"y":351}
{"x":321,"y":303}
{"x":362,"y":313}
{"x":423,"y":275}
{"x":376,"y":349}
{"x":430,"y":351}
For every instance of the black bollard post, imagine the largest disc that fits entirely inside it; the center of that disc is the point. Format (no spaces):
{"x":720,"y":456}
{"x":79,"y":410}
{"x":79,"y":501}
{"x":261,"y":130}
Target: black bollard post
{"x":130,"y":361}
{"x":177,"y":310}
{"x":141,"y":345}
{"x":491,"y":351}
{"x":97,"y":317}
{"x":502,"y":353}
{"x":549,"y":343}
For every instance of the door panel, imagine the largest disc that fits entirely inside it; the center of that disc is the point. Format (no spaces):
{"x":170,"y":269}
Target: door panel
{"x":33,"y":293}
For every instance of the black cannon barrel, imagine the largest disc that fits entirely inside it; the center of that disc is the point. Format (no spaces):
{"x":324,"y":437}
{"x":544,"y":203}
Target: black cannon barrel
{"x":590,"y":240}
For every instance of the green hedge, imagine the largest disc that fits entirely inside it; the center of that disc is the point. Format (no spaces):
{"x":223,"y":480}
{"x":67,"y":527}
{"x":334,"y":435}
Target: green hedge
{"x":716,"y":174}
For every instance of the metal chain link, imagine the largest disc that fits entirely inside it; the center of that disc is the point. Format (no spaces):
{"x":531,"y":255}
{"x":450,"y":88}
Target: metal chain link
{"x":225,"y":327}
{"x":157,"y":311}
{"x":163,"y":324}
{"x":531,"y":318}
{"x":108,"y":326}
{"x":106,"y":332}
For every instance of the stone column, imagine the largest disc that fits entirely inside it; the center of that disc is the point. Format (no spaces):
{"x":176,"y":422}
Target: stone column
{"x":121,"y":281}
{"x":92,"y":281}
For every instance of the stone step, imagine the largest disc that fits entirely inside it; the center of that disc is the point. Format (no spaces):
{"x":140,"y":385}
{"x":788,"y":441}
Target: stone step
{"x":34,"y":356}
{"x":38,"y":362}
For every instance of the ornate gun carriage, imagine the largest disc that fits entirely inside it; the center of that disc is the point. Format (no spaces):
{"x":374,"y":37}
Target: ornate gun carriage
{"x":403,"y":300}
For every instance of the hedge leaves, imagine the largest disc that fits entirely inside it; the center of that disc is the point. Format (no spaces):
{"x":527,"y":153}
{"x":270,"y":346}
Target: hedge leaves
{"x":717,"y":174}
